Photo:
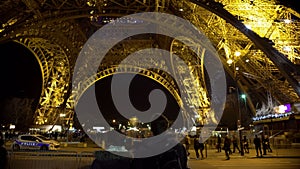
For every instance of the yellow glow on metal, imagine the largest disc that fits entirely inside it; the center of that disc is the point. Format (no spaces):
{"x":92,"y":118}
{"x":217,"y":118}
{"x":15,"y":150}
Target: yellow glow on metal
{"x":237,"y":53}
{"x":229,"y":61}
{"x":273,"y":21}
{"x":265,"y":17}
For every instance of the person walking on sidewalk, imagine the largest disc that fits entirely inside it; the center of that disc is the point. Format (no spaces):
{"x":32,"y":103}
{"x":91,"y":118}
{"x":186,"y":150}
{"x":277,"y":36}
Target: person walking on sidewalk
{"x":219,"y":142}
{"x":246,"y":144}
{"x":269,"y":145}
{"x":257,"y":144}
{"x":196,"y":146}
{"x":201,"y":147}
{"x":235,"y":144}
{"x":187,"y":142}
{"x":227,"y":144}
{"x":266,"y":144}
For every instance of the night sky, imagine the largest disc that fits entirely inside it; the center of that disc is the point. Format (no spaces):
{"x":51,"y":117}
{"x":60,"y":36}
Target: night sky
{"x":20,"y":72}
{"x":20,"y":78}
{"x":294,"y":4}
{"x":139,"y":91}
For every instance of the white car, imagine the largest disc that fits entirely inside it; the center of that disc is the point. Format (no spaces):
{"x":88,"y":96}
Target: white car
{"x":34,"y":142}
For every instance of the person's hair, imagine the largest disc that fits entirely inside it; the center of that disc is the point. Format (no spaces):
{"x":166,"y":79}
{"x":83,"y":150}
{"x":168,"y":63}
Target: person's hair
{"x":159,"y":125}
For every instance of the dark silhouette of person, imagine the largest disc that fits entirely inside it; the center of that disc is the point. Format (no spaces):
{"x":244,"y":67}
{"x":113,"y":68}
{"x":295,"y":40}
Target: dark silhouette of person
{"x":3,"y":155}
{"x":178,"y":152}
{"x":187,"y":143}
{"x":201,"y":147}
{"x":257,"y":144}
{"x":246,"y":144}
{"x":55,"y":135}
{"x":267,"y":140}
{"x":219,"y":142}
{"x":235,"y":144}
{"x":266,"y":145}
{"x":175,"y":158}
{"x":227,"y":143}
{"x":197,"y":146}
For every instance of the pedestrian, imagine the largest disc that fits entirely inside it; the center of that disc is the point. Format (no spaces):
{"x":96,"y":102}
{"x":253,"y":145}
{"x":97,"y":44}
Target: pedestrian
{"x":269,"y":145}
{"x":196,"y":146}
{"x":235,"y":144}
{"x":175,"y":157}
{"x":246,"y":144}
{"x":226,"y":148}
{"x":266,"y":145}
{"x":55,"y":135}
{"x":219,"y":142}
{"x":187,"y":142}
{"x":3,"y":155}
{"x":201,"y":147}
{"x":257,"y":143}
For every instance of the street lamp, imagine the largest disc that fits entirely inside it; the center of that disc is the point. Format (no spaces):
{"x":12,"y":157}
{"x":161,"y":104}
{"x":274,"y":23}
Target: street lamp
{"x":243,"y":96}
{"x":240,"y":128}
{"x":236,"y":69}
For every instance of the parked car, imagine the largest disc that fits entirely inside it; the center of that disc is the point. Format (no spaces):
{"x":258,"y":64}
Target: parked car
{"x":34,"y":142}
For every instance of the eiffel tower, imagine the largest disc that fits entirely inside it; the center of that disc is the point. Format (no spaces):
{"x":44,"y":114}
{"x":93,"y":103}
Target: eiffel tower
{"x":257,"y":41}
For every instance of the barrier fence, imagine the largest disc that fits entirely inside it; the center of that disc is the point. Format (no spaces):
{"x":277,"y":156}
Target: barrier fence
{"x":50,"y":160}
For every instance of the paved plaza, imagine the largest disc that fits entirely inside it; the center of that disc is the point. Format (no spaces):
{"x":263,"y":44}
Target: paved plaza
{"x":278,"y":159}
{"x":244,"y":163}
{"x":70,"y":157}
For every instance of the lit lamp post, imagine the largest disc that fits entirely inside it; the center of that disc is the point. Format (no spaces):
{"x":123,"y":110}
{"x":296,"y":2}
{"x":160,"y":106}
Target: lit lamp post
{"x":243,"y":96}
{"x":240,"y":128}
{"x":232,"y":61}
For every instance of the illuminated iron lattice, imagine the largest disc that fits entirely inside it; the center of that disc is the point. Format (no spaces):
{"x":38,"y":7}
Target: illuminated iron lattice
{"x":241,"y":57}
{"x":55,"y":30}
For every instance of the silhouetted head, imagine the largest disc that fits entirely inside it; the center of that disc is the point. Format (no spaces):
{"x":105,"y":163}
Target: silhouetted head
{"x":159,"y":125}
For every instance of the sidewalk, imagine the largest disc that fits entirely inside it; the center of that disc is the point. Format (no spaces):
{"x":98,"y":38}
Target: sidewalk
{"x":277,"y":153}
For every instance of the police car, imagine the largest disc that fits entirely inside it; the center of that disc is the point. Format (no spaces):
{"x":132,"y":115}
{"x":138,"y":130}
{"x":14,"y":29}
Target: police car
{"x":34,"y":142}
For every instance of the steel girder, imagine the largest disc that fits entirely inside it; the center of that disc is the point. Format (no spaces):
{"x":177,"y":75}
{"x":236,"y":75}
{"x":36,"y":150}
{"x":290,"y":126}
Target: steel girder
{"x":68,"y":24}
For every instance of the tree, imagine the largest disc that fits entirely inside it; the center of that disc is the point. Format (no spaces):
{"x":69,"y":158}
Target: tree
{"x":19,"y":111}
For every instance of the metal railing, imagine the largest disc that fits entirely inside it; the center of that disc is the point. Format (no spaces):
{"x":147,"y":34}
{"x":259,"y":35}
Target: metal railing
{"x":50,"y":160}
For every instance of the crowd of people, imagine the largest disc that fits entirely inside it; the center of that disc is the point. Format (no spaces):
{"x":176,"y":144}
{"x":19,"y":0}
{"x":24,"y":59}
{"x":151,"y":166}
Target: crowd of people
{"x":262,"y":145}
